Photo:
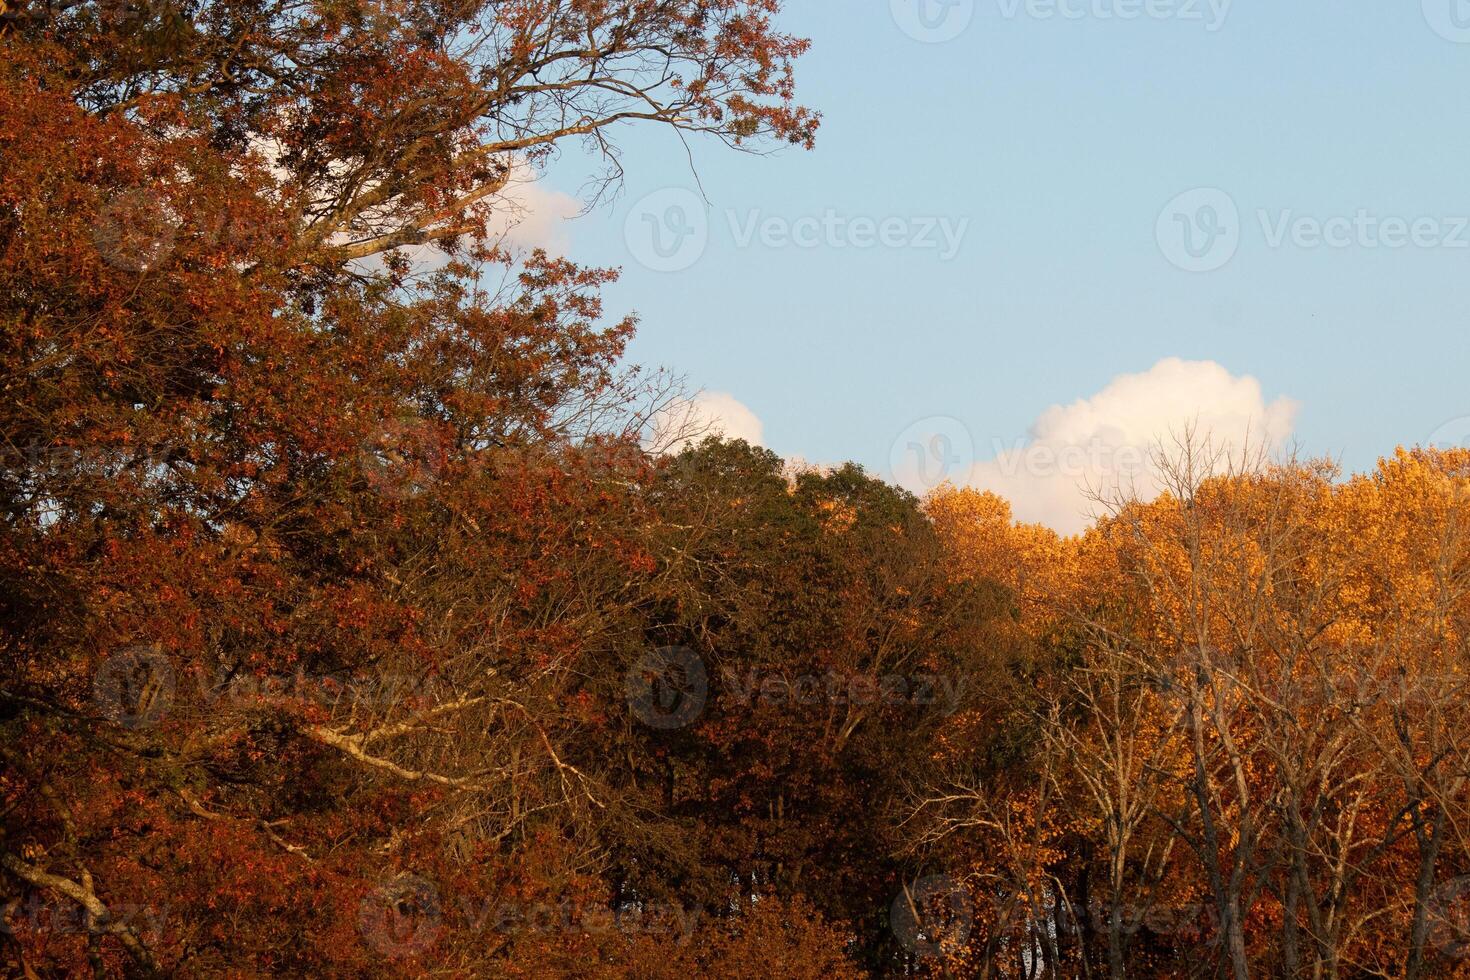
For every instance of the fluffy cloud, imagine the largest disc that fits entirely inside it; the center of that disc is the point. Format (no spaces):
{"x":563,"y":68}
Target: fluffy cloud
{"x":687,"y":420}
{"x":529,"y":214}
{"x":526,"y":215}
{"x":1104,"y":443}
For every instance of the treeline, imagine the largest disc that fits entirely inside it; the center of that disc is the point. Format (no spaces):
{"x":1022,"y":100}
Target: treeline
{"x":351,"y":626}
{"x":1246,"y":751}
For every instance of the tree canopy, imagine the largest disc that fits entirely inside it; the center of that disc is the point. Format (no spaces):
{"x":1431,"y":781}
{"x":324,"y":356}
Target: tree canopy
{"x":349,"y":626}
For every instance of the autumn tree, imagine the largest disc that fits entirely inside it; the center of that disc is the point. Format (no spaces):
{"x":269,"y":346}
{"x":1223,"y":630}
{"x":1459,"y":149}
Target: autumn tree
{"x":307,"y":560}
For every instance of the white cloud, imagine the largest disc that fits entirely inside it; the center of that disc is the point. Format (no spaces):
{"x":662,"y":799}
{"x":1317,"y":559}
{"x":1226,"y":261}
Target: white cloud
{"x":1103,"y":443}
{"x":526,"y":215}
{"x":530,"y":214}
{"x":688,"y":420}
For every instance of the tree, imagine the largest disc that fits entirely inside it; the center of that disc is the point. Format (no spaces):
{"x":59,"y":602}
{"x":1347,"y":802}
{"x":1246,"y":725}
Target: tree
{"x":314,"y":570}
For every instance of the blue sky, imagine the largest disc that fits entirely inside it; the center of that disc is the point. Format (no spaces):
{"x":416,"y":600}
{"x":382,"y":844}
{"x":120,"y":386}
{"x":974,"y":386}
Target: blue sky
{"x":1056,"y":142}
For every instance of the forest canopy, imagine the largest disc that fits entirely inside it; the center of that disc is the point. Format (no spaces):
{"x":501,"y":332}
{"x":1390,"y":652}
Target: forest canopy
{"x":351,"y":626}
